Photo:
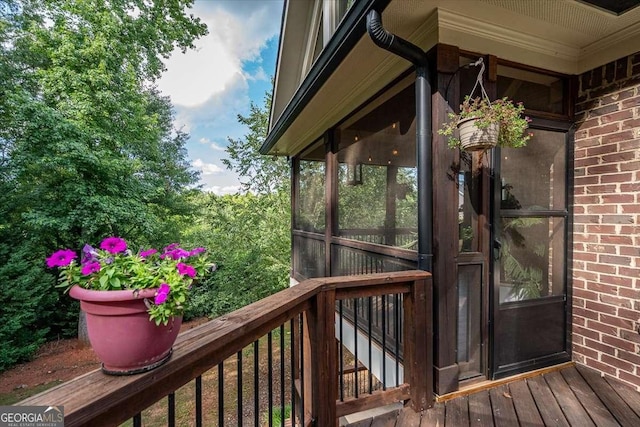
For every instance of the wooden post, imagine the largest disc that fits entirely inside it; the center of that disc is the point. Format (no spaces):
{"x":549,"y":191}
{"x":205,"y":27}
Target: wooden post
{"x":324,"y":371}
{"x":445,"y":220}
{"x":418,"y":341}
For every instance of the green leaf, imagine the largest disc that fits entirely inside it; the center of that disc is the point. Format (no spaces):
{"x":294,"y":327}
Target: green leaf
{"x":103,"y":281}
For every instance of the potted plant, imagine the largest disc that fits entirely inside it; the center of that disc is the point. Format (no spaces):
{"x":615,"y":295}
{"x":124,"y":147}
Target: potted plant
{"x":482,"y":124}
{"x":133,"y":301}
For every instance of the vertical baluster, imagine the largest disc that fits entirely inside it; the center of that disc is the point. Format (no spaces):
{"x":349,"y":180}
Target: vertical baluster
{"x":341,"y":353}
{"x":282,"y":400}
{"x":355,"y":345}
{"x":396,"y":313}
{"x":239,"y":368}
{"x":199,"y":401}
{"x":221,"y":394}
{"x":302,"y":414}
{"x":293,"y":370}
{"x":370,"y":344}
{"x":384,"y":341}
{"x":137,"y":420}
{"x":270,"y":375}
{"x":401,"y":339}
{"x":256,"y":384}
{"x":171,"y":410}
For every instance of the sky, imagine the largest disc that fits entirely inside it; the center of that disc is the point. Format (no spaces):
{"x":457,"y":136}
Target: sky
{"x":213,"y":83}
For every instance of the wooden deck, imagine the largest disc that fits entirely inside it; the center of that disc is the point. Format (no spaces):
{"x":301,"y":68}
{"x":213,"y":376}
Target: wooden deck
{"x":573,"y":396}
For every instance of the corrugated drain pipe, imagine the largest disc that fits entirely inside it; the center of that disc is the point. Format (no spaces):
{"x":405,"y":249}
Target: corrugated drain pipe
{"x":418,"y":58}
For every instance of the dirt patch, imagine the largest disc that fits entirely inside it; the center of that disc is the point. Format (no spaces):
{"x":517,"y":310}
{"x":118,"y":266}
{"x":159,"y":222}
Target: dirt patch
{"x":57,"y":361}
{"x":54,"y":363}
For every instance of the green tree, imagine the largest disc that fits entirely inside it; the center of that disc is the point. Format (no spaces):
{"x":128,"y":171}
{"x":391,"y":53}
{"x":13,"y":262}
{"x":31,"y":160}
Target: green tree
{"x":247,"y":235}
{"x":86,"y":143}
{"x":259,"y":173}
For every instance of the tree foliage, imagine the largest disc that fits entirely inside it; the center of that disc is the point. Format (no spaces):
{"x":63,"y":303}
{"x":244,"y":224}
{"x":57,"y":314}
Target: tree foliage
{"x":87,"y":146}
{"x":260,"y":174}
{"x":248,"y":236}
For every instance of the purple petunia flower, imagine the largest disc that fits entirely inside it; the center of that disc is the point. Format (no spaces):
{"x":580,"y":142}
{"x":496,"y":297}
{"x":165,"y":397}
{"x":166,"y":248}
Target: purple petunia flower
{"x":113,"y":245}
{"x":171,"y":247}
{"x":160,"y":298}
{"x":175,"y":254}
{"x":163,"y":293}
{"x":147,"y":253}
{"x":89,"y":254}
{"x":164,"y":288}
{"x":196,"y":251}
{"x":90,"y":267}
{"x":61,"y":258}
{"x":186,"y":270}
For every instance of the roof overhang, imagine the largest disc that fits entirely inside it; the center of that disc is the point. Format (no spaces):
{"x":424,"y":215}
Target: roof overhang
{"x":565,"y":36}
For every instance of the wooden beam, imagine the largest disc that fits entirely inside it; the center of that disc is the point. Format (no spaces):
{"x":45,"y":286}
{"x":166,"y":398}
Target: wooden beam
{"x":374,"y":400}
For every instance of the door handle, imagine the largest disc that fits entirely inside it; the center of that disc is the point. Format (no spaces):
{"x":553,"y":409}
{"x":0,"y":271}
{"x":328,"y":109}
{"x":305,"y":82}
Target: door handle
{"x":497,"y":245}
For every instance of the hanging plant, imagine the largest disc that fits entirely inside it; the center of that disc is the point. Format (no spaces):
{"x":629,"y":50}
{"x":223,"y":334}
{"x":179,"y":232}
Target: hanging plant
{"x":500,"y":122}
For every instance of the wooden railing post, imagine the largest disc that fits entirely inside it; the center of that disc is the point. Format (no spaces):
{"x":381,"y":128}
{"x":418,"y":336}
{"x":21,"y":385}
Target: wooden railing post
{"x":324,"y":368}
{"x":418,"y":339}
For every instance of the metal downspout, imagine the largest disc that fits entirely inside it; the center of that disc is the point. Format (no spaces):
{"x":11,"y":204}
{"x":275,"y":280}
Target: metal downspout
{"x":418,"y":58}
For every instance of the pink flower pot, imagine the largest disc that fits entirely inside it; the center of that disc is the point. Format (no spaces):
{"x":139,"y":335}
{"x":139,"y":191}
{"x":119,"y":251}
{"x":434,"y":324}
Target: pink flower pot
{"x":120,"y":332}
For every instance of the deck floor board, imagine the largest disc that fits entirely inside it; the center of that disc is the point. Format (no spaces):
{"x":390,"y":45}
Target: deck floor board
{"x":480,"y":414}
{"x":525,"y":405}
{"x":571,"y":396}
{"x":546,"y":402}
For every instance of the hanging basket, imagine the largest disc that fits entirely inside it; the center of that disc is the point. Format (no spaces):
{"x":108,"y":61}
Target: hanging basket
{"x":473,"y":138}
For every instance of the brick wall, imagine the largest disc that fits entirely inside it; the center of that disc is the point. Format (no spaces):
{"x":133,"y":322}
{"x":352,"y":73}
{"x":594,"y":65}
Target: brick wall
{"x":606,"y":267}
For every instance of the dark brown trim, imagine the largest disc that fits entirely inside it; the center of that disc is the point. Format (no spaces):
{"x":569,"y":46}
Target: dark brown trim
{"x":376,"y":248}
{"x":446,"y":378}
{"x":331,"y":197}
{"x":295,"y":197}
{"x":308,"y":234}
{"x":530,"y":68}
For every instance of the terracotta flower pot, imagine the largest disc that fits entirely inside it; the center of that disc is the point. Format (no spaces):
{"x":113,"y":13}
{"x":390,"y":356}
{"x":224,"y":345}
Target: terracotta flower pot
{"x":473,"y":138}
{"x":120,"y":332}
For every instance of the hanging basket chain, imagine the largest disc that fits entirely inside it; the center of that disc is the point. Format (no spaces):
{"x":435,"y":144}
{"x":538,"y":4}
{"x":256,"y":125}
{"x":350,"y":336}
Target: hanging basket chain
{"x":479,"y":79}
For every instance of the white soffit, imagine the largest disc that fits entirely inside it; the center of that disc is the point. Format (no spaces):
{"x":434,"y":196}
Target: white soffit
{"x":560,"y":35}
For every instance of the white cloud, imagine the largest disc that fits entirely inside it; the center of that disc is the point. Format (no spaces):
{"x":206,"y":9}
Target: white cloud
{"x":219,"y":112}
{"x":217,"y":147}
{"x":207,"y":168}
{"x":259,"y":74}
{"x":221,"y":191}
{"x":235,"y":35}
{"x":212,"y":144}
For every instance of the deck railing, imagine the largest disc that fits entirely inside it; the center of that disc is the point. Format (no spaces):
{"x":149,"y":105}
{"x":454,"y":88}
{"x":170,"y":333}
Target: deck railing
{"x":302,"y":371}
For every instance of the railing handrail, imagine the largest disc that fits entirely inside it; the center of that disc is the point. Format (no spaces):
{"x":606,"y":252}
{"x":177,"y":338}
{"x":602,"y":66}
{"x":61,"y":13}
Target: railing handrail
{"x":97,"y":399}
